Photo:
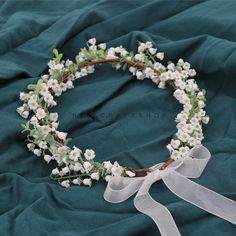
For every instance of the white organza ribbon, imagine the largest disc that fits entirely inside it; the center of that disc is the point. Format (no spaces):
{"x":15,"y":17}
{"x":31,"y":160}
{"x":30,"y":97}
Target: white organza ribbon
{"x":176,"y":179}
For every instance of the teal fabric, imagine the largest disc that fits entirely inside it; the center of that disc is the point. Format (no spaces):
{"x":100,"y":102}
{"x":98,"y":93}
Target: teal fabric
{"x":121,"y":118}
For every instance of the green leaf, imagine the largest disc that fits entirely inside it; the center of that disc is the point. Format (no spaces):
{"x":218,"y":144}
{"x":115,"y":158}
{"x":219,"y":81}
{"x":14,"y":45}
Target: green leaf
{"x":49,"y":138}
{"x":204,"y":91}
{"x":55,"y":52}
{"x":31,"y":86}
{"x":124,"y":67}
{"x":25,"y":127}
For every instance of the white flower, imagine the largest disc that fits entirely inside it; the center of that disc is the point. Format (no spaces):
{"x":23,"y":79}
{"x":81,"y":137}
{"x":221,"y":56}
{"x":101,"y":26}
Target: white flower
{"x":139,"y":57}
{"x":142,"y":47}
{"x":54,"y":125}
{"x":188,"y":128}
{"x":78,"y":75}
{"x":130,"y":173}
{"x":87,"y":181}
{"x":69,"y":84}
{"x":102,"y":46}
{"x":87,"y":166}
{"x":192,"y":141}
{"x":192,"y":72}
{"x":47,"y":158}
{"x":48,"y":98}
{"x":182,"y":136}
{"x":205,"y":119}
{"x":92,"y":41}
{"x":123,"y":52}
{"x":55,"y":171}
{"x":184,"y":151}
{"x":57,"y":90}
{"x":116,"y":169}
{"x":53,"y":116}
{"x":89,"y":154}
{"x":52,"y":83}
{"x":148,"y":72}
{"x":77,"y":181}
{"x":175,"y":155}
{"x":160,"y":55}
{"x":152,"y":50}
{"x":162,"y":85}
{"x":20,"y":110}
{"x":37,"y":152}
{"x":169,"y":147}
{"x":175,"y":143}
{"x":30,"y":146}
{"x":107,"y":165}
{"x":180,"y":62}
{"x":32,"y":103}
{"x":34,"y":120}
{"x":78,"y":167}
{"x":201,"y":104}
{"x":139,"y":75}
{"x":25,"y":114}
{"x":132,"y":70}
{"x":40,"y":113}
{"x":65,"y":170}
{"x":61,"y":135}
{"x":24,"y":96}
{"x":45,"y":77}
{"x":95,"y":175}
{"x":45,"y":129}
{"x":65,"y":183}
{"x":62,"y":150}
{"x":75,"y":154}
{"x":43,"y":145}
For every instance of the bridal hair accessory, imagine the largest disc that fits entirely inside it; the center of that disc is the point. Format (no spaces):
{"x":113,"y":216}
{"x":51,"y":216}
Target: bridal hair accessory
{"x":187,"y":157}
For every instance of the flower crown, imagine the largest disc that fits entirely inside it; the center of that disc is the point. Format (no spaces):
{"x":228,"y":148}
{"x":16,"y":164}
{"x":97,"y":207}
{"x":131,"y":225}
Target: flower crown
{"x":75,"y":166}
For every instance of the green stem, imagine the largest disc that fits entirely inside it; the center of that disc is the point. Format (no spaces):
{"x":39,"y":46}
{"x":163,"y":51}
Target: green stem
{"x":70,"y":176}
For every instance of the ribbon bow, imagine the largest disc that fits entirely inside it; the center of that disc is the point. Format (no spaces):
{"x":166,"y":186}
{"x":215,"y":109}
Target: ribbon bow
{"x":176,"y":179}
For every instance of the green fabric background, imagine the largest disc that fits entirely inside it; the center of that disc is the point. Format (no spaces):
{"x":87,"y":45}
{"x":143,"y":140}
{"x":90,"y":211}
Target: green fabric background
{"x":121,"y":118}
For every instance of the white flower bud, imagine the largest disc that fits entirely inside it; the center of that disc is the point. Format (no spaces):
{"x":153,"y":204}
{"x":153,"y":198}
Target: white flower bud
{"x":95,"y":175}
{"x":130,"y":173}
{"x":55,"y":171}
{"x":87,"y":181}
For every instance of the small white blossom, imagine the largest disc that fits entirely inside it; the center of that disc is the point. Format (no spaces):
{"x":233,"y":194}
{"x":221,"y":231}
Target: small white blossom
{"x":43,"y":145}
{"x":65,"y":170}
{"x":205,"y":119}
{"x":107,"y":165}
{"x":65,"y":183}
{"x":116,"y":169}
{"x":47,"y":158}
{"x":89,"y":154}
{"x":102,"y":46}
{"x":77,"y":181}
{"x":87,"y":181}
{"x":34,"y":120}
{"x":95,"y":176}
{"x":40,"y":113}
{"x":61,"y":135}
{"x":87,"y":166}
{"x":130,"y":173}
{"x":75,"y":154}
{"x":92,"y":41}
{"x":55,"y":171}
{"x":160,"y":55}
{"x":37,"y":152}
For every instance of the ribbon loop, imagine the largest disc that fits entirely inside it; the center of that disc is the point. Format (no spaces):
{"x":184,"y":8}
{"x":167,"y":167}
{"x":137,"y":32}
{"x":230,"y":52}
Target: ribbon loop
{"x":176,"y":179}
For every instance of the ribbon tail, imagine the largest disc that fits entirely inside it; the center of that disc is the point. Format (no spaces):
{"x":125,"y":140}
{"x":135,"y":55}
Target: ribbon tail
{"x":200,"y":196}
{"x":158,"y":213}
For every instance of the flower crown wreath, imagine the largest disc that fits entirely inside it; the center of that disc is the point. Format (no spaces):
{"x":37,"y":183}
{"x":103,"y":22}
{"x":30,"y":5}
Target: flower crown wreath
{"x":43,"y":138}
